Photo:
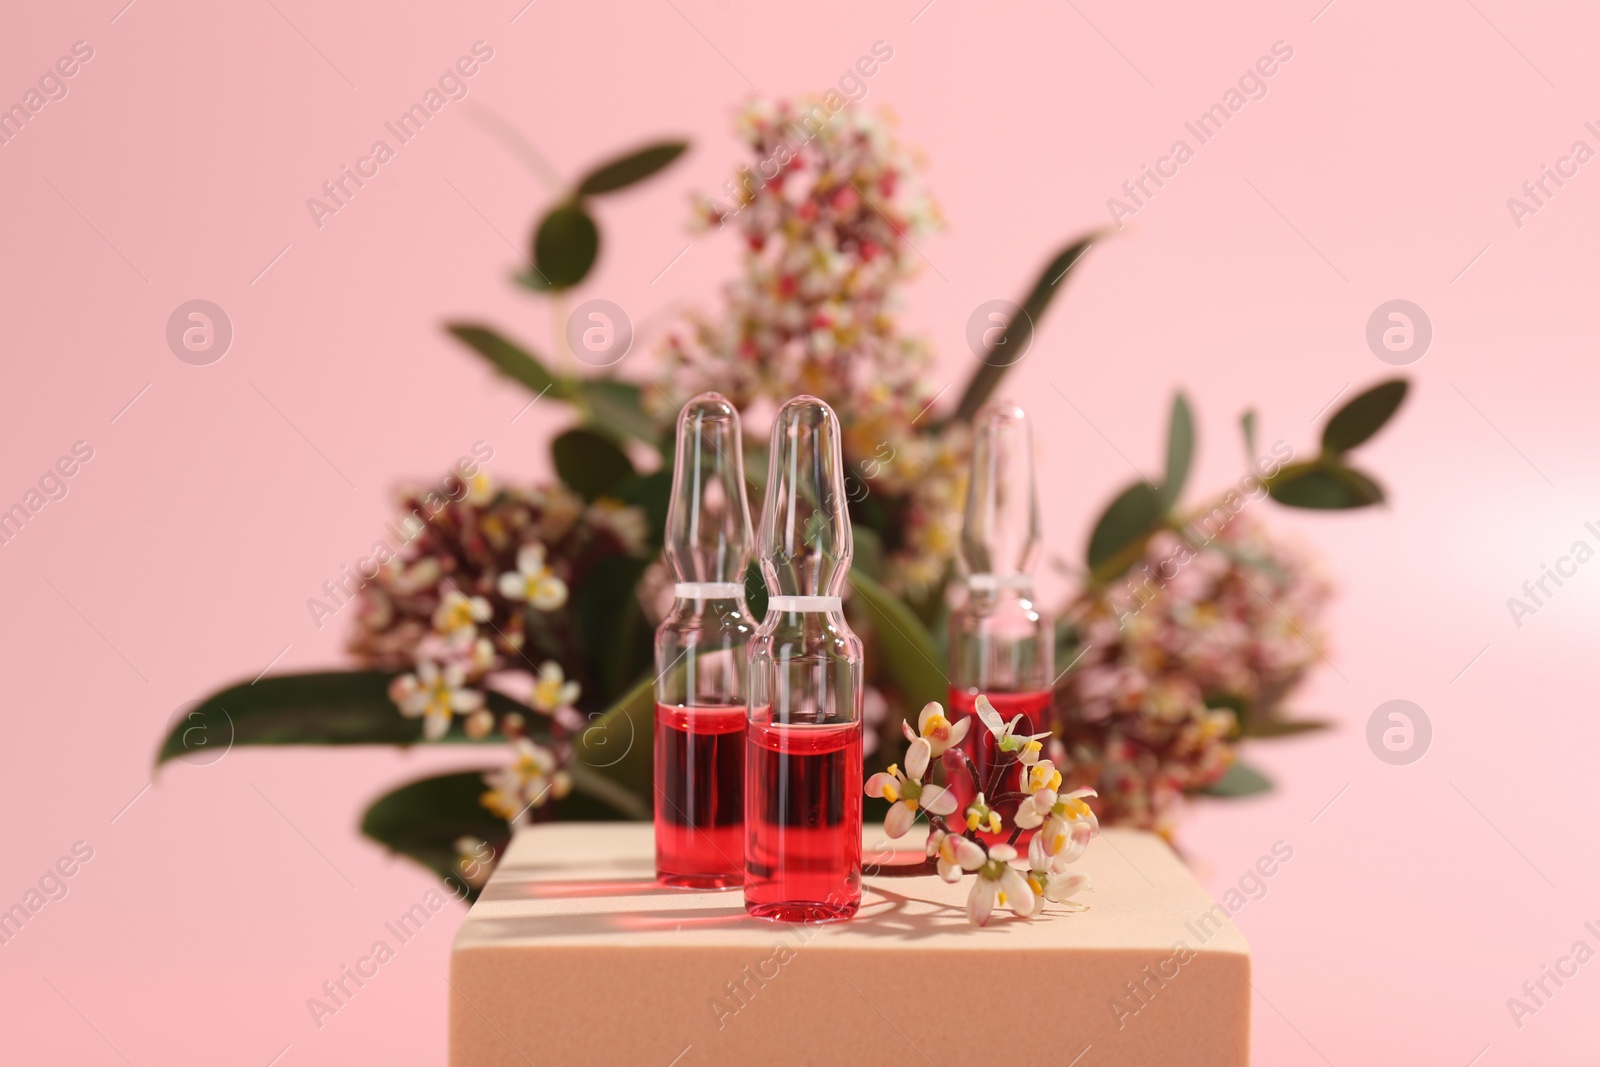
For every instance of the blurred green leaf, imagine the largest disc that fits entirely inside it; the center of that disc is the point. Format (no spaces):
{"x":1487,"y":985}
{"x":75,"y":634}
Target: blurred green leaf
{"x":422,"y":820}
{"x":616,"y":407}
{"x":1124,"y":527}
{"x":325,"y":708}
{"x":1241,"y":780}
{"x":590,"y":464}
{"x":909,"y":651}
{"x":653,"y":493}
{"x":1324,"y":485}
{"x":1180,"y":451}
{"x":755,"y":592}
{"x":611,"y":624}
{"x":634,"y":167}
{"x":508,"y":358}
{"x":1363,"y":416}
{"x":988,"y":375}
{"x":619,"y":743}
{"x":566,"y":245}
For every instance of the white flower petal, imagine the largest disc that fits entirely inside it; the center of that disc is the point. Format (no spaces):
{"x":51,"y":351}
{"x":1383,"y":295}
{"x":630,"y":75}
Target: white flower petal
{"x":530,"y":558}
{"x":513,"y":586}
{"x":898,"y":821}
{"x":988,"y":716}
{"x":958,"y":730}
{"x":1019,"y":894}
{"x":938,"y":800}
{"x":929,"y":710}
{"x":436,"y":725}
{"x":549,"y":593}
{"x":876,"y":783}
{"x":917,"y":757}
{"x":969,"y":855}
{"x":980,"y":902}
{"x":1038,"y":856}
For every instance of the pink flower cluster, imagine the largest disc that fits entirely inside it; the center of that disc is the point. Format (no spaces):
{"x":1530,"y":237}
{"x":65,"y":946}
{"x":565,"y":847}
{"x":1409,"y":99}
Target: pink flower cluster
{"x":1198,"y":637}
{"x":828,"y":215}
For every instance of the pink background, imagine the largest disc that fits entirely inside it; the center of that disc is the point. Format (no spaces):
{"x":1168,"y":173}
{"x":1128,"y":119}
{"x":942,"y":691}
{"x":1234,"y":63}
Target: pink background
{"x":1377,"y":167}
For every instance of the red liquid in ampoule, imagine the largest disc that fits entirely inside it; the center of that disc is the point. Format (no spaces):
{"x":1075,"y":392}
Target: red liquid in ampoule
{"x":803,"y":836}
{"x":700,"y":795}
{"x":979,"y":744}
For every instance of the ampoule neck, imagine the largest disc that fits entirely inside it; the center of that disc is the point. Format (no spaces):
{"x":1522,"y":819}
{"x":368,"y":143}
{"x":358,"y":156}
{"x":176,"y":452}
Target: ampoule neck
{"x":708,"y":537}
{"x":805,"y":542}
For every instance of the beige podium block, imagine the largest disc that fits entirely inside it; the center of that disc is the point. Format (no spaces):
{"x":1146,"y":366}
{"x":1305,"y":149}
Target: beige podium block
{"x":574,"y":955}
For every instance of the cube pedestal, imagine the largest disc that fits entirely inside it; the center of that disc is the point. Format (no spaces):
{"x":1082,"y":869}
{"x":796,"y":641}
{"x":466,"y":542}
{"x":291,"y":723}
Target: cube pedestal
{"x":574,"y":955}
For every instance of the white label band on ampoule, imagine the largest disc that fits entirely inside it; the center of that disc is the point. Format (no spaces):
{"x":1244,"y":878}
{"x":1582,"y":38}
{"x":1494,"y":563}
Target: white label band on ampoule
{"x":999,"y":581}
{"x":708,"y":590}
{"x":804,"y":603}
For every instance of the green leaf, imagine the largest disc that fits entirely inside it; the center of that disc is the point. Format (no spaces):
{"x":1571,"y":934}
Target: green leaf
{"x":1247,"y":423}
{"x":1241,"y":780}
{"x":909,"y":651}
{"x":1180,"y":451}
{"x":328,"y":708}
{"x":508,"y":358}
{"x":422,"y":820}
{"x":1324,"y":485}
{"x":755,"y":591}
{"x":1363,"y":416}
{"x":611,"y":624}
{"x":1120,"y":535}
{"x":619,"y":743}
{"x":1283,"y":727}
{"x":988,"y":375}
{"x":653,"y":493}
{"x":590,"y":465}
{"x":634,"y":167}
{"x":616,"y":407}
{"x":566,"y":245}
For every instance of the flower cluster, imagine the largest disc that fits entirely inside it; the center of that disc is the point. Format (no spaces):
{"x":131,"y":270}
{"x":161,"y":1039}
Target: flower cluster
{"x":474,"y":611}
{"x":1061,"y":823}
{"x":828,"y":214}
{"x":1200,"y":635}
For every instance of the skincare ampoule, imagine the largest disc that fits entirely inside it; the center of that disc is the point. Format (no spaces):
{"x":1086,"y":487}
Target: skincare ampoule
{"x":701,"y":658}
{"x":1001,"y":645}
{"x":803,"y":784}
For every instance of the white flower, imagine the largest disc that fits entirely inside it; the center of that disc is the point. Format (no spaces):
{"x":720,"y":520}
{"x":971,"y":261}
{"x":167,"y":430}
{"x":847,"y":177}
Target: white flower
{"x":435,"y":694}
{"x":980,"y":816}
{"x":1040,"y":782}
{"x":938,"y":731}
{"x":457,"y":616}
{"x":1050,"y":880}
{"x":528,"y":782}
{"x":552,"y":692}
{"x":999,"y":882}
{"x":956,"y":854}
{"x":907,"y":792}
{"x":533,"y":581}
{"x":1006,"y":739}
{"x":1068,"y":825}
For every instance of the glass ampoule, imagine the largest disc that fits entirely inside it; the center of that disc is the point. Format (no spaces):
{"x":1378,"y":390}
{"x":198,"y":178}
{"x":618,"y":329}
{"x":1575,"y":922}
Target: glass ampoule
{"x":804,"y":753}
{"x":1001,"y":645}
{"x":701,"y":664}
